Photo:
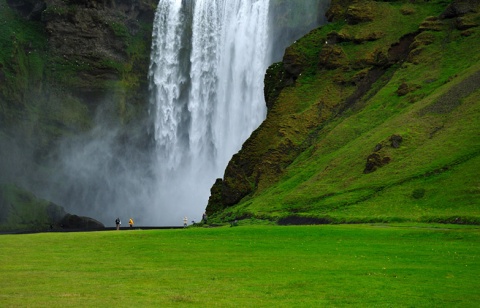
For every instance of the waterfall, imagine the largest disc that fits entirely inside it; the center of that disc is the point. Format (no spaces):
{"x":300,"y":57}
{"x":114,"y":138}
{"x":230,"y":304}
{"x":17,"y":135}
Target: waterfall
{"x":243,"y":62}
{"x":168,"y":77}
{"x":208,"y":61}
{"x":207,"y":93}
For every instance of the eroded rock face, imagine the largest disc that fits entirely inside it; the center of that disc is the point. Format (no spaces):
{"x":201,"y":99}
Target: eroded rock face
{"x":90,"y":39}
{"x":90,"y":29}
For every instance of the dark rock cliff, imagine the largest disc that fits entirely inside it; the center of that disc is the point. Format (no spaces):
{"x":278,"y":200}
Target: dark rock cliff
{"x":84,"y":50}
{"x":99,"y":39}
{"x":59,"y":62}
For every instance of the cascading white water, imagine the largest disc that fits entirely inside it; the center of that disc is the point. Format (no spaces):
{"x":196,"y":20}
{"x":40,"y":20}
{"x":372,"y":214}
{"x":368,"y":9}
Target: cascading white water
{"x":205,"y":53}
{"x":167,"y":80}
{"x":203,"y":115}
{"x":243,"y":62}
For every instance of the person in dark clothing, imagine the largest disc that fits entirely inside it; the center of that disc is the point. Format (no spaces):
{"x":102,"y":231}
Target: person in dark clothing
{"x":118,"y":223}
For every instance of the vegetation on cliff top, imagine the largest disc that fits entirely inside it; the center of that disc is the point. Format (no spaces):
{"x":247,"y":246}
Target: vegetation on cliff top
{"x":375,"y":119}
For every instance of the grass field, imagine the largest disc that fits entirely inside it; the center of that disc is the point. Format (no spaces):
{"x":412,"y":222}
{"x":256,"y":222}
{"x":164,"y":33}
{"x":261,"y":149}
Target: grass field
{"x":245,"y":266}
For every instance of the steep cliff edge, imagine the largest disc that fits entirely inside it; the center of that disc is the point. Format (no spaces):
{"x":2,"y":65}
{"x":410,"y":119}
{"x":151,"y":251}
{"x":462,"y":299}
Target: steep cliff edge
{"x":370,"y":119}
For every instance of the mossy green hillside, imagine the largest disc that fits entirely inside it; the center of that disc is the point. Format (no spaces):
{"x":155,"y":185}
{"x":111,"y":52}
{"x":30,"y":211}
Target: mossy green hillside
{"x":432,"y":176}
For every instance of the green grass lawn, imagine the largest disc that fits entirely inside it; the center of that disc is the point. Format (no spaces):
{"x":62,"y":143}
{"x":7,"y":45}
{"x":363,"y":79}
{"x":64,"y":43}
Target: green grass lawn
{"x":245,"y":266}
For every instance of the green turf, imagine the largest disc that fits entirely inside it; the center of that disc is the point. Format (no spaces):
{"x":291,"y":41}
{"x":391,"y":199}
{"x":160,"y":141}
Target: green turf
{"x":245,"y":266}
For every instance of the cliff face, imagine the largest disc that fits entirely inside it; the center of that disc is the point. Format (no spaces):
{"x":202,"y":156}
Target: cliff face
{"x":77,"y":53}
{"x":372,"y":52}
{"x":104,"y":41}
{"x":59,"y":62}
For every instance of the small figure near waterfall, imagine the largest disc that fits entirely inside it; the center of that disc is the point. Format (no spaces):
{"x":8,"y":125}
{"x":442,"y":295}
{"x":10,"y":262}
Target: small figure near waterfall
{"x":185,"y":221}
{"x":130,"y":222}
{"x":118,"y":223}
{"x":204,"y":217}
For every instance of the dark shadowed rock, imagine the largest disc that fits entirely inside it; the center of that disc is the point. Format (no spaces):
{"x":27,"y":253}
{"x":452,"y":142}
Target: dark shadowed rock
{"x":89,"y":41}
{"x":71,"y":222}
{"x":396,"y":140}
{"x":275,"y":80}
{"x":29,"y":9}
{"x":460,"y":8}
{"x":215,"y":200}
{"x":375,"y":161}
{"x":292,"y":64}
{"x":2,"y":74}
{"x":337,"y":10}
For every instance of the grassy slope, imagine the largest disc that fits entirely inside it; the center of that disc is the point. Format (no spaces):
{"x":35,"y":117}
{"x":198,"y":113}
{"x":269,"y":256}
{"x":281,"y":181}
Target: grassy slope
{"x":432,"y":176}
{"x":246,"y":266}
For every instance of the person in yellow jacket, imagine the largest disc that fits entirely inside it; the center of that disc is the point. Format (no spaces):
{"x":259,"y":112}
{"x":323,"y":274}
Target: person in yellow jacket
{"x":130,"y":222}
